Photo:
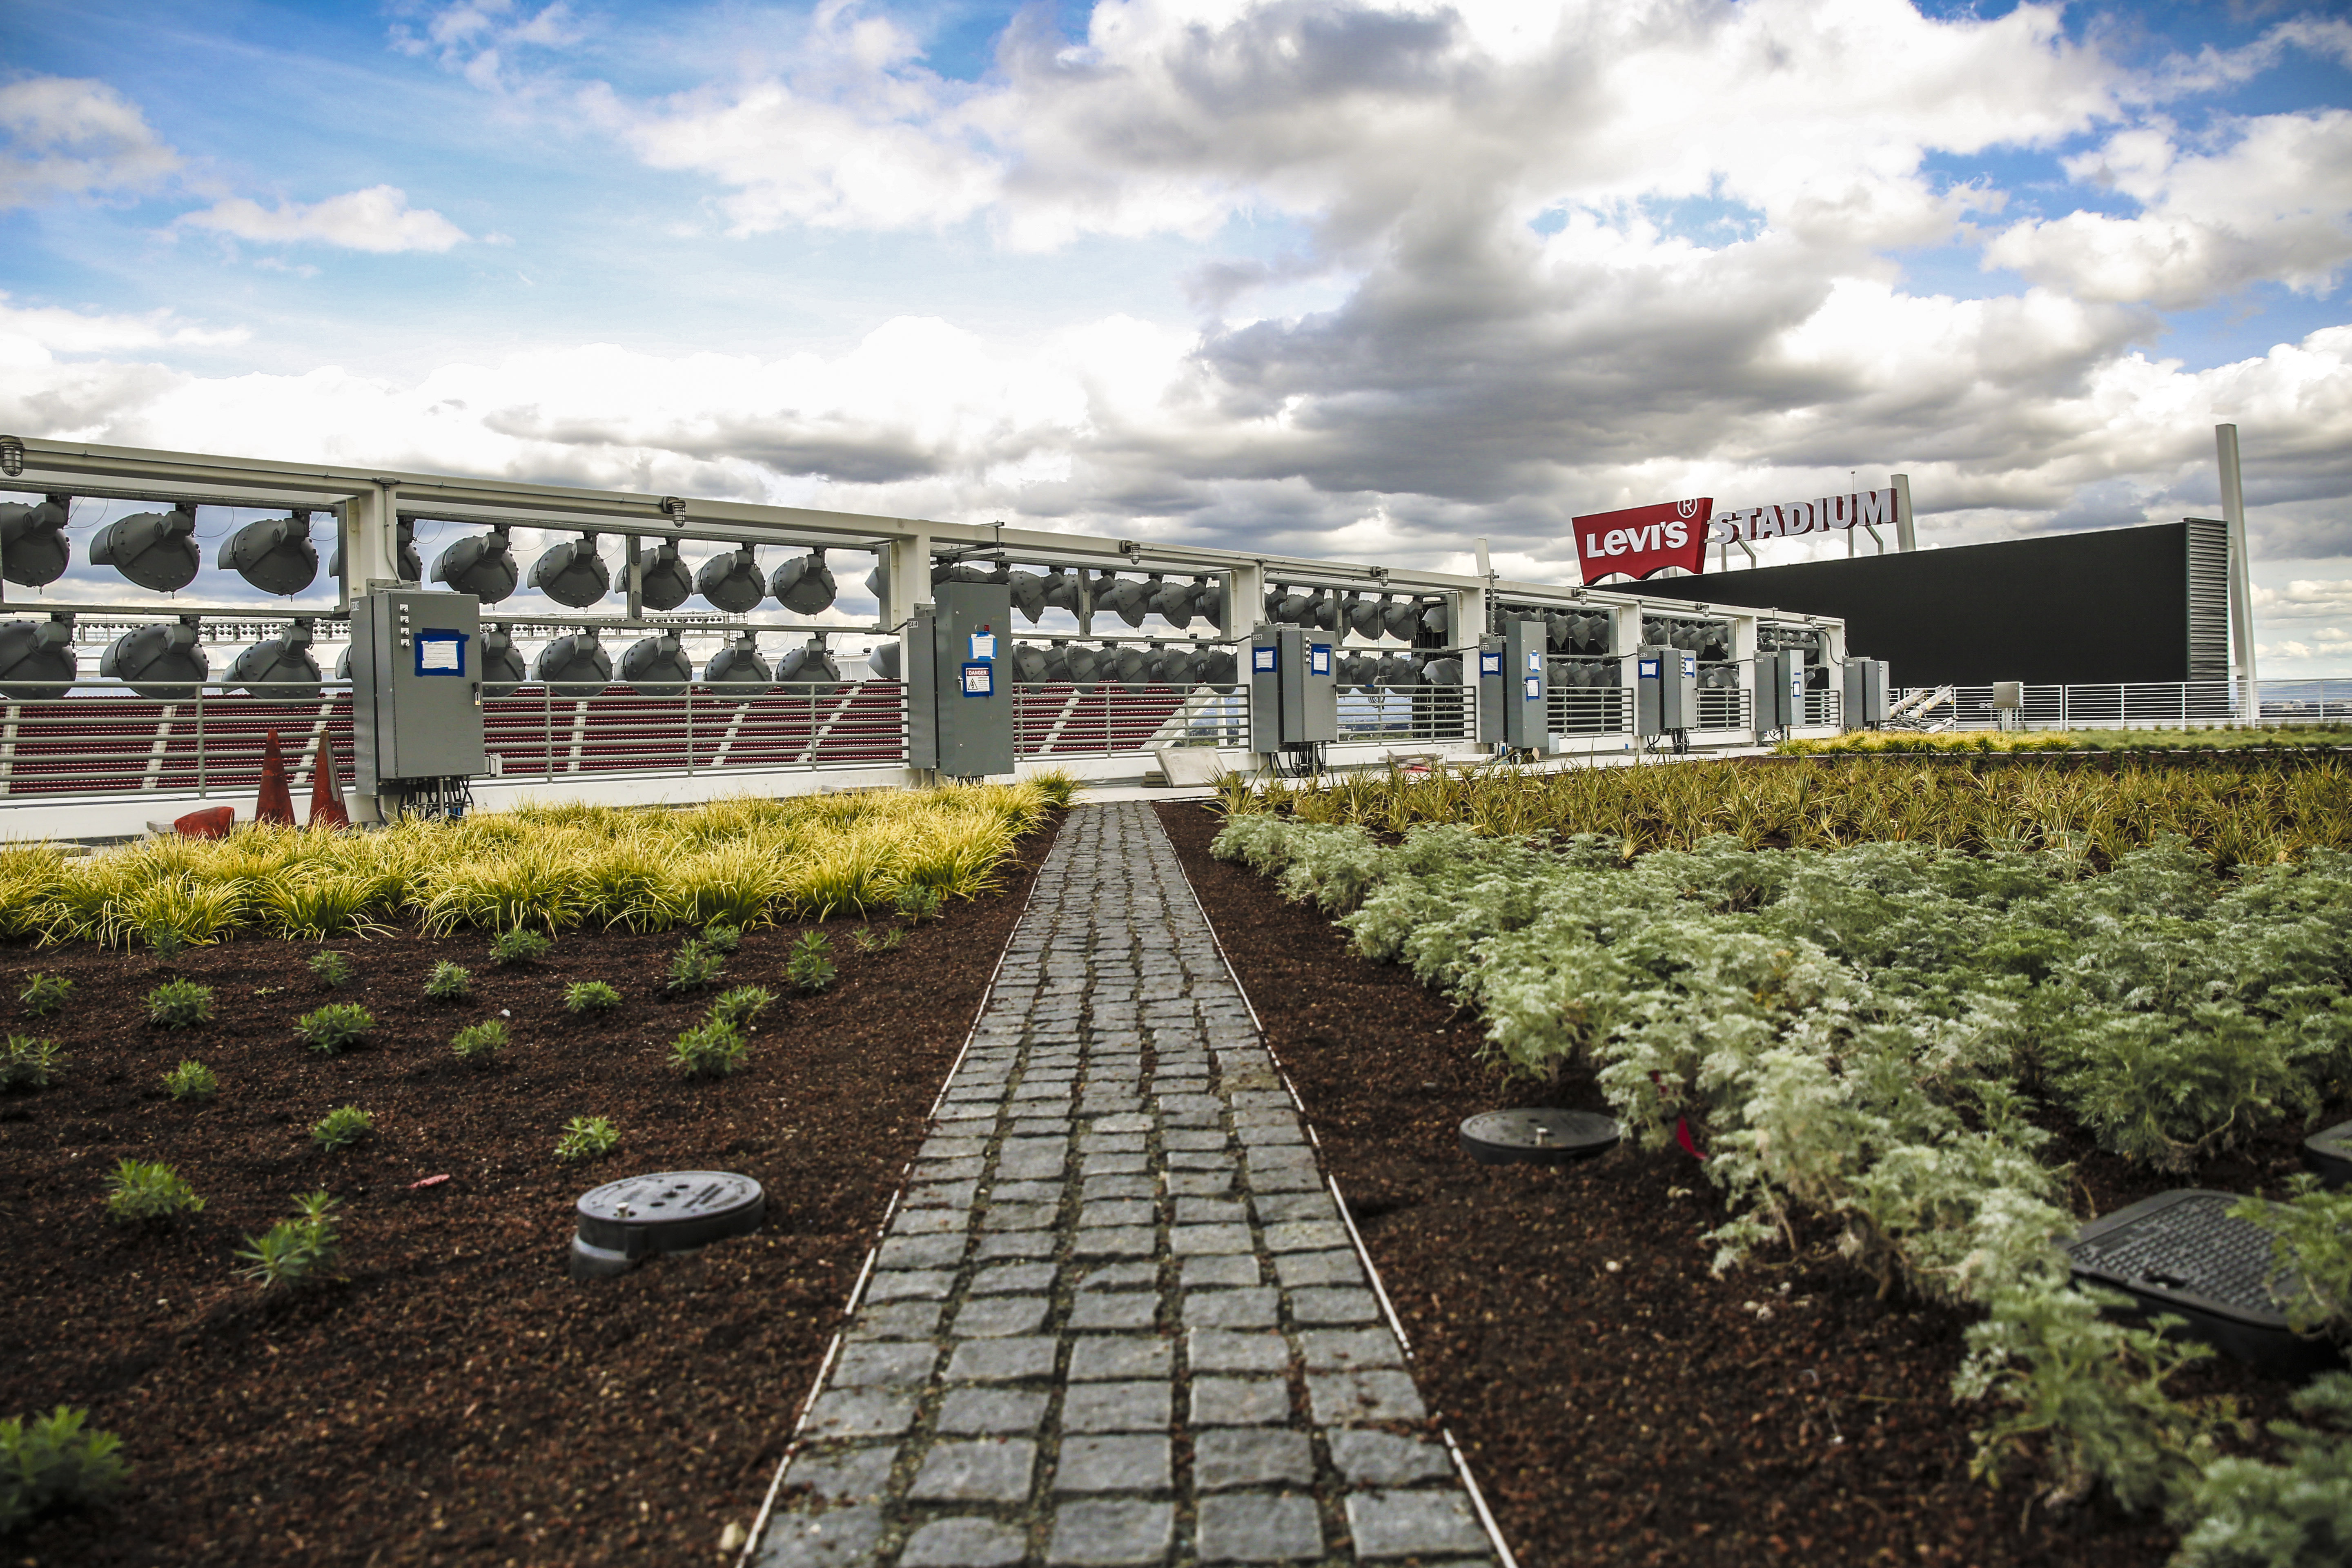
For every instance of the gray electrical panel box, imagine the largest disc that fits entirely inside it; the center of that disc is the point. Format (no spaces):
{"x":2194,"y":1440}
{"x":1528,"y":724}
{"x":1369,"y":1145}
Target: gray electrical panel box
{"x":416,"y":688}
{"x":1779,"y":690}
{"x":1292,"y":701}
{"x":1494,"y":671}
{"x":1865,"y":693}
{"x":960,"y":681}
{"x":1514,"y":689}
{"x":1665,"y":691}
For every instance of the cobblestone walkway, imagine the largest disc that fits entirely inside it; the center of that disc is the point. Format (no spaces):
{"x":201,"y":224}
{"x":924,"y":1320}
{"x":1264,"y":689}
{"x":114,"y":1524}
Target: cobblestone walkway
{"x":1117,"y":1318}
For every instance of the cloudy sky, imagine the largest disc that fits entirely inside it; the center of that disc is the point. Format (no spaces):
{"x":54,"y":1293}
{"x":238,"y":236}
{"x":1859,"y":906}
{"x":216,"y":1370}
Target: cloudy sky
{"x":1356,"y":277}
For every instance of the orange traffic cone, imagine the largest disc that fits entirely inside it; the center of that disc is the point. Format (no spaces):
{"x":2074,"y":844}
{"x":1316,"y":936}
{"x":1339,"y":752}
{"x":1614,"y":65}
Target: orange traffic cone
{"x":326,"y":790}
{"x":276,"y":802}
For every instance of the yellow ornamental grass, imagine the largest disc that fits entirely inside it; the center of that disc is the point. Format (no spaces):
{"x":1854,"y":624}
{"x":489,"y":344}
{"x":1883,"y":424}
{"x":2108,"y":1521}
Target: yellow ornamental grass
{"x":743,"y":861}
{"x":2235,"y":808}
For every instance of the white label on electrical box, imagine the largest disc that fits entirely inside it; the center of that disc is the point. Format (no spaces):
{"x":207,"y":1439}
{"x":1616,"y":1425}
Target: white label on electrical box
{"x":1535,"y":662}
{"x":984,"y":644}
{"x":979,"y":680}
{"x":1262,"y":661}
{"x":1534,"y":687}
{"x":1318,"y":659}
{"x":1490,"y":663}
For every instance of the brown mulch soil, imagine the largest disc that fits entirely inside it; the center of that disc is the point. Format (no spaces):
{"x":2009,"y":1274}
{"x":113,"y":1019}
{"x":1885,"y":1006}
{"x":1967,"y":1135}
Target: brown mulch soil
{"x":457,"y":1398}
{"x":1618,"y":1403}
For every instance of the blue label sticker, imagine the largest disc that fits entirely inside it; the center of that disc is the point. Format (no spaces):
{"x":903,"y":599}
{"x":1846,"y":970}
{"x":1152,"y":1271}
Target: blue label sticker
{"x":1534,"y":687}
{"x":979,"y":678}
{"x":1490,"y":663}
{"x":1318,"y":659}
{"x":441,"y":653}
{"x":1262,"y":660}
{"x":1649,"y":669}
{"x":1535,"y":662}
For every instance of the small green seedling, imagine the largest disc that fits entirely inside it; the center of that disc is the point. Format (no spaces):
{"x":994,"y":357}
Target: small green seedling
{"x":180,"y":1004}
{"x":919,"y":901}
{"x":708,"y":1050}
{"x":294,"y":1252}
{"x":738,"y":1008}
{"x":478,"y":1044}
{"x":44,"y":993}
{"x":723,"y":938}
{"x":586,"y":1138}
{"x":449,"y":982}
{"x":49,"y":1463}
{"x":28,"y":1063}
{"x":694,"y":967}
{"x":342,"y":1127}
{"x":140,"y":1191}
{"x":871,"y":940}
{"x":591,"y":996}
{"x":330,"y":969}
{"x":191,"y":1080}
{"x":331,"y":1029}
{"x":521,"y":945}
{"x":811,"y":965}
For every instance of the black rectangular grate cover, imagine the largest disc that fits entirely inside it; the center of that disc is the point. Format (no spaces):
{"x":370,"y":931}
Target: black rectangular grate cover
{"x":2181,"y":1252}
{"x":2328,"y":1152}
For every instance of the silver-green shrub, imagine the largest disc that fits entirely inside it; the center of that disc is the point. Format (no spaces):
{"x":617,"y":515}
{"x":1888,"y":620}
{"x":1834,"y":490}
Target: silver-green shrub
{"x":1860,"y":1033}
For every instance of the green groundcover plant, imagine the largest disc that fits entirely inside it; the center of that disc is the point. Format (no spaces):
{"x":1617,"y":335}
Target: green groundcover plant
{"x":140,"y":1191}
{"x":591,"y":996}
{"x":295,"y":1252}
{"x":29,"y":1063}
{"x":586,"y":1138}
{"x":1862,"y":1034}
{"x":55,"y":1461}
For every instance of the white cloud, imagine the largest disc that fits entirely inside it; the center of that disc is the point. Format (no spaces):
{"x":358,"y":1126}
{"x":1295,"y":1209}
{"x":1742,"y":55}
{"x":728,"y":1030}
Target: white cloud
{"x":1439,"y":368}
{"x":376,"y":219}
{"x":1174,"y":114}
{"x":2272,"y":202}
{"x":29,"y":336}
{"x":69,"y":137}
{"x":479,"y":39}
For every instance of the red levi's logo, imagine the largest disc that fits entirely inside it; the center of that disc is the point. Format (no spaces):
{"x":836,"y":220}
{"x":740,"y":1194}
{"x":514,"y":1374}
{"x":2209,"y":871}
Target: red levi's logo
{"x":1643,"y":539}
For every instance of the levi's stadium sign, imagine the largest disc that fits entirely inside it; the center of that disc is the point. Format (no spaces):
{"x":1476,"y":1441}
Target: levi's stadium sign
{"x":1866,"y":508}
{"x":1643,"y":539}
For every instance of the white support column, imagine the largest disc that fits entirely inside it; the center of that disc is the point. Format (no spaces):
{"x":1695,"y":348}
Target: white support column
{"x":1743,"y":653}
{"x":1244,"y":608}
{"x":907,"y":580}
{"x":1907,"y":534}
{"x":2242,"y":593}
{"x":1624,"y":642}
{"x":1833,"y":643}
{"x":370,"y":525}
{"x":1466,"y":608}
{"x":1245,"y":598}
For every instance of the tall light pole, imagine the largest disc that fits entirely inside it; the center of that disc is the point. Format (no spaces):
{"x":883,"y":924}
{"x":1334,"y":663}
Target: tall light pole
{"x":2241,"y":594}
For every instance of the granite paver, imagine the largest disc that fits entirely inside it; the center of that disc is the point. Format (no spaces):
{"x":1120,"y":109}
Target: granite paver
{"x":1116,"y":1321}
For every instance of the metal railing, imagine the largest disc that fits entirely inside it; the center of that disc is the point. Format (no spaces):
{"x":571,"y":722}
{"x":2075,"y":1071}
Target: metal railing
{"x":538,"y":732}
{"x":1825,"y":707}
{"x":1440,"y":715}
{"x":1589,"y":710}
{"x":105,"y":738}
{"x":1095,"y":719}
{"x":1724,"y":706}
{"x":2143,"y":705}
